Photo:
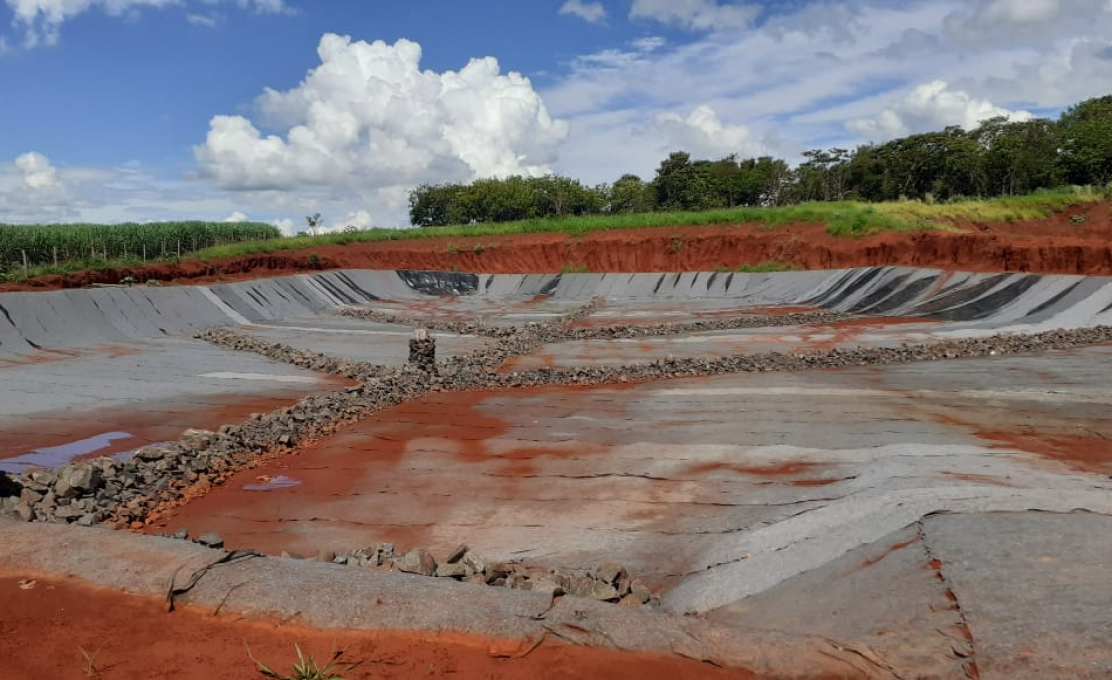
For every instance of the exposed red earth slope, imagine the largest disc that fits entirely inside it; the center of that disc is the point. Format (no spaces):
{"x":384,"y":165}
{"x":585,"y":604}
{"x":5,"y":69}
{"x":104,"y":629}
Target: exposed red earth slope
{"x":46,"y":623}
{"x":1052,"y":246}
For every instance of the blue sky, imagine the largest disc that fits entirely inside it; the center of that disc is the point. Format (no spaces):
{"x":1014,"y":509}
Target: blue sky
{"x":272,"y":109}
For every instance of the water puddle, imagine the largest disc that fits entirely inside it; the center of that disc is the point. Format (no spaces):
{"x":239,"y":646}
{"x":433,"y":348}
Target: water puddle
{"x":56,"y":456}
{"x":266,"y":483}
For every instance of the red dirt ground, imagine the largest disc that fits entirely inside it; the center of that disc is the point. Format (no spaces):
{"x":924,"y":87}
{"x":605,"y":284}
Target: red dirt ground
{"x":46,"y":622}
{"x":1052,"y":245}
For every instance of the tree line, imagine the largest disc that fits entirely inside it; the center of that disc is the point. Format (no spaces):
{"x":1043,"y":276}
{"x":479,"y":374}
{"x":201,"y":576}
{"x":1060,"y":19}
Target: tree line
{"x":998,"y":158}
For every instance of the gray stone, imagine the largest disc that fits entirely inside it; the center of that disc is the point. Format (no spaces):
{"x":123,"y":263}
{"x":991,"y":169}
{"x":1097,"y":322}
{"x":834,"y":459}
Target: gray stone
{"x":44,"y":477}
{"x":546,"y":586}
{"x":24,"y":511}
{"x":182,"y":534}
{"x":457,"y":554}
{"x":497,"y":570}
{"x":78,"y":480}
{"x":475,"y":562}
{"x":88,"y":519}
{"x":453,"y":570}
{"x":151,"y":453}
{"x":638,"y":589}
{"x":30,"y":497}
{"x":211,"y":540}
{"x":417,"y":561}
{"x":610,"y":572}
{"x":602,"y":592}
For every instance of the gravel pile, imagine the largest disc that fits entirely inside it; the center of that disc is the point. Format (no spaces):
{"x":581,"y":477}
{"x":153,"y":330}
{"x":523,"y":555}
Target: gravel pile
{"x":422,"y":351}
{"x":622,"y":332}
{"x":313,"y":361}
{"x":608,"y":582}
{"x":431,"y":323}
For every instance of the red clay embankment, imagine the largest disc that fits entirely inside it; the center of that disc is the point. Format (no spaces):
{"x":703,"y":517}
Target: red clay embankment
{"x":1053,"y":245}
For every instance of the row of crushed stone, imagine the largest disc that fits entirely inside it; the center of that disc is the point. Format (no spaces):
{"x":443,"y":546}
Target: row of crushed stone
{"x":1003,"y":344}
{"x":565,"y":333}
{"x":607,"y":582}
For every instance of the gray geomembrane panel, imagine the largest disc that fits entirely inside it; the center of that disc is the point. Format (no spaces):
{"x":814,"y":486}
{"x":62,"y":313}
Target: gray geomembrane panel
{"x":938,"y":519}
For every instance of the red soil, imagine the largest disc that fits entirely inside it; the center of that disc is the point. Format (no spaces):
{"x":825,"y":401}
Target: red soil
{"x":1051,"y":245}
{"x":372,"y":459}
{"x":45,"y":623}
{"x":1083,"y":452}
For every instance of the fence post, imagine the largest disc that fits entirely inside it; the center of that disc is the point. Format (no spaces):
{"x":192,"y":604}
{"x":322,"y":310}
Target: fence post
{"x":144,"y":252}
{"x":55,"y":257}
{"x":24,"y":262}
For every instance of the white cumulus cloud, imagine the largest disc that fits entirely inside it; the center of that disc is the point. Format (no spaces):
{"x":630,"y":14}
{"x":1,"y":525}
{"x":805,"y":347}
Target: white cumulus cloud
{"x":928,"y":107}
{"x":368,"y":118}
{"x":237,"y":216}
{"x":696,"y":15}
{"x":703,"y":135}
{"x":38,"y":174}
{"x":591,"y":12}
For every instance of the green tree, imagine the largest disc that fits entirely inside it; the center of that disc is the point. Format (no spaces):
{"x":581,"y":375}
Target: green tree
{"x":554,"y":196}
{"x":1086,"y":130}
{"x":630,"y":194}
{"x":436,"y":206}
{"x":1018,"y":157}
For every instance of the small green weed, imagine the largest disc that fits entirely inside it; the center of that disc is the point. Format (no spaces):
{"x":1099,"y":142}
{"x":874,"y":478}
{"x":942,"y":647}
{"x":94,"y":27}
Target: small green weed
{"x":307,"y":668}
{"x":574,"y":269}
{"x":766,"y":267}
{"x":1079,"y":219}
{"x":677,"y":245}
{"x":453,"y":249}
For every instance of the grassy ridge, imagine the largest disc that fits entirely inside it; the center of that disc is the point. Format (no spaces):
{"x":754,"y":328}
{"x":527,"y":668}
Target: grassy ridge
{"x":846,"y":218}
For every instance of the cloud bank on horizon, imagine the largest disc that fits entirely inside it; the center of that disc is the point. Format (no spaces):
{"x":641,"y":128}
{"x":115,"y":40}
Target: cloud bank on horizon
{"x":369,"y":119}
